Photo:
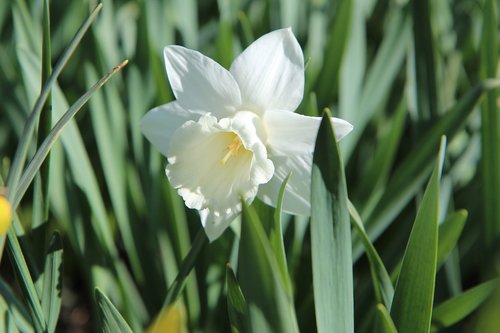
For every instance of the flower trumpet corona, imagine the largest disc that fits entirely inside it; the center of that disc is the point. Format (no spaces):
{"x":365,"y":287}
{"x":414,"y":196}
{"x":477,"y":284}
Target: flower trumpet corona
{"x":233,"y":135}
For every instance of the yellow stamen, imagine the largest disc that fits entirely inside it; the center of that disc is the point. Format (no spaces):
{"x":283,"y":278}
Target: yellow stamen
{"x":232,"y":149}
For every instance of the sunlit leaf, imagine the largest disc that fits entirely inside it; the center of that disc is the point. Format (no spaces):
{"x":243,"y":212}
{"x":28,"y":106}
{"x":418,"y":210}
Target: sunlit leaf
{"x":330,"y":236}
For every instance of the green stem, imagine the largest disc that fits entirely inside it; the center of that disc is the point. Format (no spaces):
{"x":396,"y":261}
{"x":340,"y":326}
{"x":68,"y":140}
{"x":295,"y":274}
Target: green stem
{"x":45,"y":122}
{"x":186,"y":266}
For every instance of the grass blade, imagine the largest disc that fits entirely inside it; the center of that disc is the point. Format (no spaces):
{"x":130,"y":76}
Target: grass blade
{"x":186,"y":266}
{"x":269,"y":307}
{"x":425,"y":67}
{"x":25,"y":281}
{"x":45,"y":123}
{"x":457,"y":308}
{"x":330,"y":236}
{"x":409,"y":176}
{"x":17,"y":310}
{"x":236,"y":303}
{"x":22,"y":271}
{"x":449,"y":233}
{"x":225,"y":36}
{"x":382,"y":284}
{"x":111,"y":320}
{"x":42,"y":152}
{"x":374,"y":179}
{"x":490,"y":130}
{"x":22,"y":148}
{"x":414,"y":294}
{"x":41,"y":187}
{"x":276,"y":240}
{"x":379,"y":78}
{"x":112,"y":153}
{"x":386,"y":325}
{"x":7,"y":324}
{"x":52,"y":282}
{"x":328,"y":77}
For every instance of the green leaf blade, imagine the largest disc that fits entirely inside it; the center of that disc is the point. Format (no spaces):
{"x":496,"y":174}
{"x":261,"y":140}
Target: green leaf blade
{"x":276,"y":240}
{"x":449,"y":233}
{"x":409,"y":176}
{"x":413,"y":298}
{"x":111,"y":320}
{"x":425,"y":67}
{"x":330,"y":236}
{"x":386,"y":325}
{"x":455,"y":309}
{"x":22,"y":149}
{"x":25,"y":281}
{"x":236,"y":303}
{"x":18,"y":313}
{"x":269,"y":306}
{"x":382,"y":284}
{"x":490,"y":120}
{"x":52,"y":282}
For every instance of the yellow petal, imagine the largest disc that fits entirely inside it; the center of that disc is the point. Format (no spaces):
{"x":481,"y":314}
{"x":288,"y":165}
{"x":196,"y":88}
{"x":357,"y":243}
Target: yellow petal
{"x":170,"y":320}
{"x":5,"y":215}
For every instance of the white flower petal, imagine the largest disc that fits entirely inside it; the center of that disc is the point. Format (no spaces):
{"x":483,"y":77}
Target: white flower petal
{"x":296,"y":199}
{"x":341,"y":127}
{"x":270,"y":72}
{"x":291,"y":139}
{"x":296,"y":133}
{"x":199,"y":83}
{"x":215,"y":225}
{"x":216,"y":164}
{"x":159,"y":124}
{"x":230,"y":135}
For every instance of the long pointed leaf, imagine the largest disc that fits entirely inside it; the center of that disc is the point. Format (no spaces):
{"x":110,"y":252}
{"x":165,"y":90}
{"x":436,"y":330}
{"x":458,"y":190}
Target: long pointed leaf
{"x":236,"y":303}
{"x":186,"y":266}
{"x":45,"y":123}
{"x":385,"y":322}
{"x":490,"y":130}
{"x":16,"y":308}
{"x":330,"y":236}
{"x":414,"y":294}
{"x":22,"y":149}
{"x":42,"y":152}
{"x":382,"y":284}
{"x":52,"y":282}
{"x":425,"y":67}
{"x":449,"y":233}
{"x":276,"y":240}
{"x":25,"y":281}
{"x":268,"y":304}
{"x":455,"y":309}
{"x":111,"y":320}
{"x":410,"y":175}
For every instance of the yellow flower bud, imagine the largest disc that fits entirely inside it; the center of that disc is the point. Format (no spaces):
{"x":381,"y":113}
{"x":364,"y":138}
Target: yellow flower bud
{"x":170,"y":320}
{"x":5,"y":215}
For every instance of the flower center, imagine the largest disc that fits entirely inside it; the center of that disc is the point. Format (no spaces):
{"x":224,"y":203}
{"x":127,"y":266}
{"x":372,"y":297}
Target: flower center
{"x":232,"y":149}
{"x":214,"y":164}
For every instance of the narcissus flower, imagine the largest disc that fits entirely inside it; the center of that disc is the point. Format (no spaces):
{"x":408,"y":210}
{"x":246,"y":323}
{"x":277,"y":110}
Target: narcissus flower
{"x":233,"y":135}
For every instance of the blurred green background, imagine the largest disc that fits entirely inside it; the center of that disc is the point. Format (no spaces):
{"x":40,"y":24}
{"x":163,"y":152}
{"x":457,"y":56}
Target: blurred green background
{"x":402,"y":72}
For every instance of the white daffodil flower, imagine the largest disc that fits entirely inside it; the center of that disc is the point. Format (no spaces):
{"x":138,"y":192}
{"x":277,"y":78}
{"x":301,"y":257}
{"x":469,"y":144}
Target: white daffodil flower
{"x":233,"y":135}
